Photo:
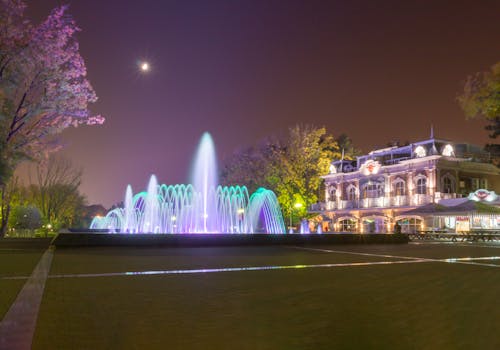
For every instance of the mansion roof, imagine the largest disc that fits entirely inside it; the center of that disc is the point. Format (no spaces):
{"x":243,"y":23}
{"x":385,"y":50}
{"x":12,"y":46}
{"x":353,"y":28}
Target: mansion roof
{"x":411,"y":153}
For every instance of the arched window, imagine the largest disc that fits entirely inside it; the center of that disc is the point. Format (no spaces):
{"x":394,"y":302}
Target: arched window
{"x":420,"y":152}
{"x":448,"y":151}
{"x":399,"y":188}
{"x":448,"y":186}
{"x":373,"y":190}
{"x":351,"y":193}
{"x":410,"y":224}
{"x":332,"y":193}
{"x":422,"y":185}
{"x":347,"y":225}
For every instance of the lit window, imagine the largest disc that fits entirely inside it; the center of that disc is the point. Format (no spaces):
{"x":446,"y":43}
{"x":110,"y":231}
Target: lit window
{"x":332,"y":194}
{"x":372,"y":191}
{"x":447,"y":185}
{"x":422,"y":185}
{"x":351,"y":194}
{"x":420,"y":151}
{"x":410,"y":225}
{"x":448,"y":151}
{"x":347,"y":225}
{"x":399,"y":188}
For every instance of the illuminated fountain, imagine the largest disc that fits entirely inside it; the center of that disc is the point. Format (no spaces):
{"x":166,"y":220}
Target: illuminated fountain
{"x":200,"y":207}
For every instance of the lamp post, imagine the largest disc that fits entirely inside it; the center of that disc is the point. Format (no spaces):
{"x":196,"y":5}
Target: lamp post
{"x":296,"y":206}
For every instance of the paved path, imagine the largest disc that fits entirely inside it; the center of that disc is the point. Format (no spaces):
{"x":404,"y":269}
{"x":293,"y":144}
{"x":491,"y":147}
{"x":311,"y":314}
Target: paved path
{"x":18,"y":326}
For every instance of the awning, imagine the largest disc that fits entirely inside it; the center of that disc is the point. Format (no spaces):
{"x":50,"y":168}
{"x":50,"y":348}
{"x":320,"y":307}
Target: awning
{"x":427,"y":209}
{"x":466,"y":208}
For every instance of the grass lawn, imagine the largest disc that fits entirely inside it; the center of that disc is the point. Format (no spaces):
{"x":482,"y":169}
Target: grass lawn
{"x":8,"y":292}
{"x":18,"y":262}
{"x":14,"y":262}
{"x":425,"y":250}
{"x":100,"y":260}
{"x":430,"y":305}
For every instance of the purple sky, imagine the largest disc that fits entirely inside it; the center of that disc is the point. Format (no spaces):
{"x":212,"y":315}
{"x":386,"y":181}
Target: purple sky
{"x":242,"y":70}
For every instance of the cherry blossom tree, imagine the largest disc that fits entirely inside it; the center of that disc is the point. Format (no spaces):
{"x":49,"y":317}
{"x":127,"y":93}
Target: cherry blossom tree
{"x":43,"y":85}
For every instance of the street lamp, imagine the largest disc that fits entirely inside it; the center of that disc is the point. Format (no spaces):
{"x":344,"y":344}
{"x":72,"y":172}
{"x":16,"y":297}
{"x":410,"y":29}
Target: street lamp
{"x":296,"y":206}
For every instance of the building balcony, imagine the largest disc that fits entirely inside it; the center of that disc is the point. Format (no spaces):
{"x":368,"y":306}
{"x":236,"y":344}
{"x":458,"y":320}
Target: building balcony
{"x":379,"y":202}
{"x":345,"y":204}
{"x":400,"y":201}
{"x":420,"y":199}
{"x":450,"y":195}
{"x":331,"y":205}
{"x":317,"y":207}
{"x":322,"y":206}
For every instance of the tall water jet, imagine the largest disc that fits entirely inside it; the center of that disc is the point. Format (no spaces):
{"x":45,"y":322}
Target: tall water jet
{"x":129,"y":212}
{"x":204,"y":180}
{"x":151,"y":217}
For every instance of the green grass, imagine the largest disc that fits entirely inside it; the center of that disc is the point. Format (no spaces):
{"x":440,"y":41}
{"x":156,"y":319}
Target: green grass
{"x":425,"y":250}
{"x":14,"y":262}
{"x":8,"y":292}
{"x":101,"y":260}
{"x":409,"y":306}
{"x":18,"y":262}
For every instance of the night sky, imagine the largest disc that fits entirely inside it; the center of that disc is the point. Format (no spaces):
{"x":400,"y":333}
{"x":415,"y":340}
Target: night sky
{"x":243,"y":70}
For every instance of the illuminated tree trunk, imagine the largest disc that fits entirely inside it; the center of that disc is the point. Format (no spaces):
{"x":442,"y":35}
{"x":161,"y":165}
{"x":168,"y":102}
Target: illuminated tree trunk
{"x":5,"y":210}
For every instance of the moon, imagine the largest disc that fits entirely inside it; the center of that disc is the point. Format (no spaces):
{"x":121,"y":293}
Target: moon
{"x":144,"y":67}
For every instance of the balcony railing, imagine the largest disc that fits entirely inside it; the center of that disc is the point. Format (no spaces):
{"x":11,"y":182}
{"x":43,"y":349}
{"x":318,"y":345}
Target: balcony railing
{"x":379,"y":202}
{"x":450,"y":195}
{"x":420,"y":199}
{"x":343,"y":204}
{"x":400,"y":201}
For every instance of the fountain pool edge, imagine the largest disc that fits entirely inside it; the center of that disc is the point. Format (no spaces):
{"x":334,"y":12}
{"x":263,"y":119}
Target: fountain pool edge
{"x":85,"y":239}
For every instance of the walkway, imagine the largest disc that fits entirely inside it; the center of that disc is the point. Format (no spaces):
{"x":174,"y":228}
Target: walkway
{"x":18,"y":326}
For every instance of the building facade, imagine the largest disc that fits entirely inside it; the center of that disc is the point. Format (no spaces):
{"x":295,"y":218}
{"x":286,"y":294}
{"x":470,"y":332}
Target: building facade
{"x":373,"y":192}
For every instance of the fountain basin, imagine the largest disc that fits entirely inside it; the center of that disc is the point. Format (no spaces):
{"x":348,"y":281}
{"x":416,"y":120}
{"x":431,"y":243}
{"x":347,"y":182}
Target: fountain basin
{"x":86,"y":239}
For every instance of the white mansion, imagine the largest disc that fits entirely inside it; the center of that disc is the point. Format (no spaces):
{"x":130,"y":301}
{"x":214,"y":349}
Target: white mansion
{"x":375,"y":191}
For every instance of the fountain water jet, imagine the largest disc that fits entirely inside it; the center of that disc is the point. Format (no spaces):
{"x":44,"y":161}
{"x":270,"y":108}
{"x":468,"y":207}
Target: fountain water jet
{"x":204,"y":180}
{"x":200,"y":207}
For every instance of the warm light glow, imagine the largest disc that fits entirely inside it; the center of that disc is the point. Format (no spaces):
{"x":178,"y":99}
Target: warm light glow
{"x":298,"y":205}
{"x":145,"y":67}
{"x":483,"y":195}
{"x":240,"y":211}
{"x":370,"y":167}
{"x":448,"y":151}
{"x":420,"y":151}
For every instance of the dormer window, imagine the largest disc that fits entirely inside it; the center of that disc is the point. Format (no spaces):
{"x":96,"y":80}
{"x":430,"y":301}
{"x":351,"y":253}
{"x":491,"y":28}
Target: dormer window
{"x":420,"y":152}
{"x":448,"y":151}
